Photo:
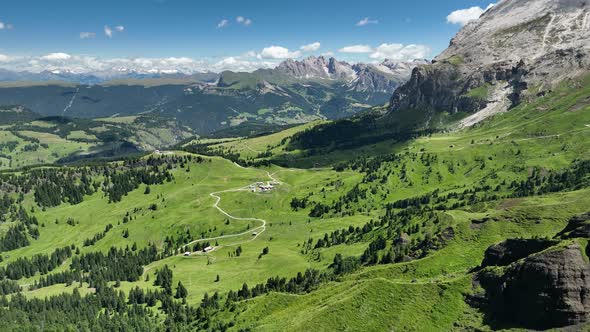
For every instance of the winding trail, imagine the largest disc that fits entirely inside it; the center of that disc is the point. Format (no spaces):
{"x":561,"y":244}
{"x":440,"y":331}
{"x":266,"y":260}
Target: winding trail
{"x":258,"y":230}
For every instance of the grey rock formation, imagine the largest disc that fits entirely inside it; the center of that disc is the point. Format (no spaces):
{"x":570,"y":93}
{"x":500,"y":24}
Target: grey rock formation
{"x":523,"y":47}
{"x":511,"y":250}
{"x":550,"y":289}
{"x":577,"y":227}
{"x":544,"y":284}
{"x":383,"y":77}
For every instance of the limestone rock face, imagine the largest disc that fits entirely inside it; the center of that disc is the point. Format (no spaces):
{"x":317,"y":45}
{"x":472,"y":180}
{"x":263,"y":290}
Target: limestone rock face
{"x":514,"y":46}
{"x":382,"y":77}
{"x":515,"y":30}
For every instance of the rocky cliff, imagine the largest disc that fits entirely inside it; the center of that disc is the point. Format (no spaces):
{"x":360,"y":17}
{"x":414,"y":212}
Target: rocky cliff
{"x":545,"y":284}
{"x":516,"y":49}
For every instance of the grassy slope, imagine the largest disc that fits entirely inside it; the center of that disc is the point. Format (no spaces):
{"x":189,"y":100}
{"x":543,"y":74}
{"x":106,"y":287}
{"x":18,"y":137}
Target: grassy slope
{"x":59,"y":140}
{"x":425,"y":294}
{"x":549,"y":133}
{"x":252,"y":147}
{"x":188,"y":206}
{"x":57,"y":148}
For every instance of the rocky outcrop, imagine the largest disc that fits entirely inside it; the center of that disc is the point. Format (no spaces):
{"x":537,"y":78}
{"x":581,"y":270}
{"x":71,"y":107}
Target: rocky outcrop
{"x":515,"y":30}
{"x":384,"y":77}
{"x":538,"y":283}
{"x":550,"y":289}
{"x":577,"y":227}
{"x":523,"y":43}
{"x":511,"y":250}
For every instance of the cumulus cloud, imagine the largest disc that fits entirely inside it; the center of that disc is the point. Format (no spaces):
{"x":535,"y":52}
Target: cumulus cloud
{"x":356,"y":49}
{"x":87,"y":35}
{"x":238,"y":63}
{"x":464,"y":16}
{"x":268,"y":57}
{"x":249,"y":54}
{"x":400,"y":52}
{"x":114,"y":67}
{"x":56,"y":57}
{"x":222,"y":24}
{"x":5,"y":26}
{"x":311,"y":47}
{"x":108,"y":31}
{"x":278,"y":52}
{"x":366,"y":21}
{"x":394,"y":51}
{"x":243,"y":20}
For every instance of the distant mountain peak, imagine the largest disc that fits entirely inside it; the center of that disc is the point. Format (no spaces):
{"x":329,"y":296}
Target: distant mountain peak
{"x":383,"y":77}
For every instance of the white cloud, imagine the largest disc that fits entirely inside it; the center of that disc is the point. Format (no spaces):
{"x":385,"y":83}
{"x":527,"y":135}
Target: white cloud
{"x":400,"y":52}
{"x":108,"y":31}
{"x":222,"y":24}
{"x":178,"y":61}
{"x":56,"y":57}
{"x":87,"y":35}
{"x":243,"y":20}
{"x":328,"y":54}
{"x":311,"y":47}
{"x":237,"y":63}
{"x":114,"y":67}
{"x":464,"y":16}
{"x":366,"y":21}
{"x":5,"y":26}
{"x":249,"y":54}
{"x":278,"y":52}
{"x":356,"y":49}
{"x":268,"y":57}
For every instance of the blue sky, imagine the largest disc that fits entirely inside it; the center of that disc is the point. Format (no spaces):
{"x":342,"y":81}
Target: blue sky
{"x":194,"y":29}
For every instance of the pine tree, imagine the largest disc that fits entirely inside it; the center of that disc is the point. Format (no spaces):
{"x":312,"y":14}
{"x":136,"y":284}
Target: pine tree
{"x":181,"y":291}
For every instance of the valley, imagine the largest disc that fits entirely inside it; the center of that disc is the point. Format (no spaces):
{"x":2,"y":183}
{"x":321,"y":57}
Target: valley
{"x":304,"y":193}
{"x":209,"y":202}
{"x":295,"y":92}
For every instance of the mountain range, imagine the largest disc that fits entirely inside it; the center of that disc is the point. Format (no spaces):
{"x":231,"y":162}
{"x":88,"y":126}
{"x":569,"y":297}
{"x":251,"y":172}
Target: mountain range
{"x":458,"y":204}
{"x":293,"y":92}
{"x":515,"y":52}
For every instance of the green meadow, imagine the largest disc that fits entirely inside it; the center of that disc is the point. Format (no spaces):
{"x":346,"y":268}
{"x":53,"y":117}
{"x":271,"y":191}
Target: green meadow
{"x":423,"y":292}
